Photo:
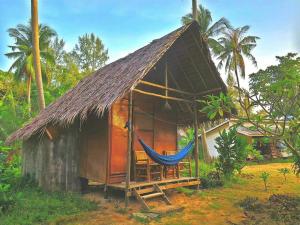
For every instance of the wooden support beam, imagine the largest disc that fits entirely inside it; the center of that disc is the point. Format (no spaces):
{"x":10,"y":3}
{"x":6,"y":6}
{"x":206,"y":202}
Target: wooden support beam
{"x":208,"y":92}
{"x":129,"y":147}
{"x":161,"y":96}
{"x":49,"y":134}
{"x":196,"y":150}
{"x":166,"y":88}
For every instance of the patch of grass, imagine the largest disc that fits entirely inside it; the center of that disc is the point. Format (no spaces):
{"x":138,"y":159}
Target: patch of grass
{"x":215,"y":205}
{"x":186,"y":191}
{"x":277,"y":160}
{"x":198,"y":212}
{"x":33,"y":206}
{"x":204,"y":168}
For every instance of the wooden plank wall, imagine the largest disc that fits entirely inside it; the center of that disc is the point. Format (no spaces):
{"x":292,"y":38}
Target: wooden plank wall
{"x":54,"y":164}
{"x":94,"y":148}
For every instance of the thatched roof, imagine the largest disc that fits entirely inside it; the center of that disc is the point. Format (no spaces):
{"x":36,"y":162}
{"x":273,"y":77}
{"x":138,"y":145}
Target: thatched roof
{"x":98,"y":91}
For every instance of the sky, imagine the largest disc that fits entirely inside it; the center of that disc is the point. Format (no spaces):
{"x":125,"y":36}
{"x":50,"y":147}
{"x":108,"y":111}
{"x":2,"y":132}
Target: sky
{"x":126,"y":25}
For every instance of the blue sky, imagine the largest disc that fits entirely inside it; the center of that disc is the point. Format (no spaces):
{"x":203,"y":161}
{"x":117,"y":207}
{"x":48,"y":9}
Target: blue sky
{"x":125,"y":25}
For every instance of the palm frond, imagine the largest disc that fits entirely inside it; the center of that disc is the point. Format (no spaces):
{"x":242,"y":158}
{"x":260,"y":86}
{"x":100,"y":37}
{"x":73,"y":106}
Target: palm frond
{"x":218,"y":27}
{"x":13,"y":55}
{"x":249,"y":40}
{"x":251,"y":58}
{"x":241,"y":65}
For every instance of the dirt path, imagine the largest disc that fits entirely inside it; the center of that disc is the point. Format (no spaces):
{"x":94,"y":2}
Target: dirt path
{"x":213,"y":206}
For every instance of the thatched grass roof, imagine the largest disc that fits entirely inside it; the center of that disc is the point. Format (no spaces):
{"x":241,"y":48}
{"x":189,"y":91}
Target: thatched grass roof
{"x":98,"y":91}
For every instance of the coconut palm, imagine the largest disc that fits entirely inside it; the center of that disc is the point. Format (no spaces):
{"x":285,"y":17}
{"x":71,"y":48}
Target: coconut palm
{"x":207,"y":30}
{"x":22,"y":53}
{"x":232,"y":47}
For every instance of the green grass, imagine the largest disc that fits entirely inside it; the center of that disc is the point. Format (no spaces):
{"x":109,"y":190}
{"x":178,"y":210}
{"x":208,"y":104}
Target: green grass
{"x":204,"y":168}
{"x":278,"y":160}
{"x":33,"y":206}
{"x":186,"y":191}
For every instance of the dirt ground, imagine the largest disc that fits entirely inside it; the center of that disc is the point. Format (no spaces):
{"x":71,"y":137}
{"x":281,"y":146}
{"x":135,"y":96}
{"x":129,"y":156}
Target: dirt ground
{"x":210,"y":206}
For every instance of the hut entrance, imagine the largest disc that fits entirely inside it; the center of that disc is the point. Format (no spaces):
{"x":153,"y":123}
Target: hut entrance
{"x":94,"y":149}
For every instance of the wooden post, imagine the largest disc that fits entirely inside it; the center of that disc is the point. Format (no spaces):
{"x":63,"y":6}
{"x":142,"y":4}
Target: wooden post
{"x":194,"y":9}
{"x":196,"y":150}
{"x":130,"y":131}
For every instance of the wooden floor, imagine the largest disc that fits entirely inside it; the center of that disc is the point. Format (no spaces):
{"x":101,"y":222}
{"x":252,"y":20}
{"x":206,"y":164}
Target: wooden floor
{"x":164,"y":184}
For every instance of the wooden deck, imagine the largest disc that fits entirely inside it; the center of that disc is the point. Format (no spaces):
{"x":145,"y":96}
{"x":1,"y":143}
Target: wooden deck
{"x":163,"y":184}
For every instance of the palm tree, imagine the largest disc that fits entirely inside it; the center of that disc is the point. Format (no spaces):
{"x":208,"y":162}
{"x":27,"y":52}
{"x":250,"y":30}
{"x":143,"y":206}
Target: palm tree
{"x":207,"y":30}
{"x":22,"y":53}
{"x":232,"y":48}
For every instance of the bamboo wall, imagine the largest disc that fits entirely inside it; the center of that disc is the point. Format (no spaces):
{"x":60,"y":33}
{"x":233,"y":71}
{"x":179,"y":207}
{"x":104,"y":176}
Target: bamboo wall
{"x":54,"y":164}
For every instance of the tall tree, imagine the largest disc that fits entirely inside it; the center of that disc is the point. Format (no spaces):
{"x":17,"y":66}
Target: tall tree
{"x":36,"y":53}
{"x":22,"y":52}
{"x":208,"y":30}
{"x":232,"y":47}
{"x":90,"y":53}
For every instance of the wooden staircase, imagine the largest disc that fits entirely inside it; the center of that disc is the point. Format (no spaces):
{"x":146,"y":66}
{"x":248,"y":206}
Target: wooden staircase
{"x":149,"y":192}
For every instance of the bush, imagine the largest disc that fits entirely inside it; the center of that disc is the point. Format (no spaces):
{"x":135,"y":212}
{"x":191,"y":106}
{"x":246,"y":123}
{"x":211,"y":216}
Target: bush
{"x":250,"y":204}
{"x":213,"y":179}
{"x":233,"y":152}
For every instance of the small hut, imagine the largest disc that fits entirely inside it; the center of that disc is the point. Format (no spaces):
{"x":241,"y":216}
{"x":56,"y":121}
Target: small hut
{"x":156,"y":89}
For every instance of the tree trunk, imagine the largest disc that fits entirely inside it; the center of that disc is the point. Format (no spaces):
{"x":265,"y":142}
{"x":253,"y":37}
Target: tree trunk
{"x":194,"y":9}
{"x":36,"y":53}
{"x":29,"y":94}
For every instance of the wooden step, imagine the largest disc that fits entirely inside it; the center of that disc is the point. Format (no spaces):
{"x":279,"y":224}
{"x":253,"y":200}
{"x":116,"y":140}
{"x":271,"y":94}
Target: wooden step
{"x":145,"y":190}
{"x":153,"y":195}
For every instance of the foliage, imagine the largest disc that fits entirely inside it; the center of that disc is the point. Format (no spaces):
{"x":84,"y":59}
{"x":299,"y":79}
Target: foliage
{"x":217,"y":106}
{"x":253,"y":153}
{"x":10,"y":168}
{"x":211,"y":180}
{"x":33,"y":206}
{"x":279,"y":209}
{"x":284,"y":172}
{"x":207,"y":30}
{"x":233,"y":47}
{"x":232,"y":151}
{"x":250,"y":204}
{"x":90,"y":53}
{"x":13,"y":105}
{"x":187,"y":138}
{"x":275,"y":91}
{"x":22,"y":53}
{"x":265,"y":177}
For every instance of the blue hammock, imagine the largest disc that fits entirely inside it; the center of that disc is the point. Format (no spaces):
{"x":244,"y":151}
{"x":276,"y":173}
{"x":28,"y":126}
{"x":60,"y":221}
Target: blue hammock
{"x":167,"y":160}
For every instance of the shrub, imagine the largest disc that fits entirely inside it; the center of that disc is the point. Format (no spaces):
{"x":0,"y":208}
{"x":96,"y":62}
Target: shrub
{"x":265,"y":176}
{"x":213,"y":179}
{"x":232,"y":151}
{"x":284,"y":172}
{"x":250,"y":204}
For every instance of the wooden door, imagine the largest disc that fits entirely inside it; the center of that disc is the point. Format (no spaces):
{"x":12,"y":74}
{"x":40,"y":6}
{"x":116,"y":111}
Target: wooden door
{"x":118,"y":141}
